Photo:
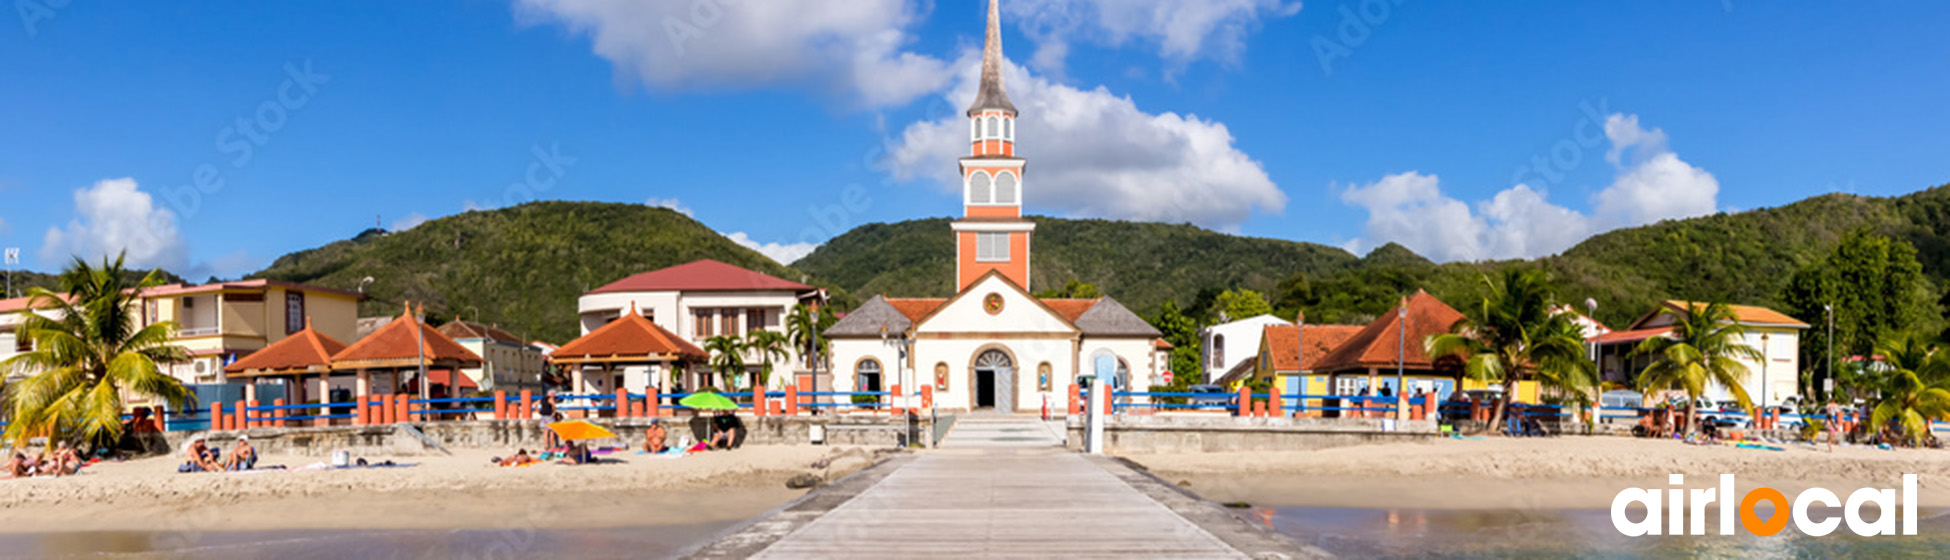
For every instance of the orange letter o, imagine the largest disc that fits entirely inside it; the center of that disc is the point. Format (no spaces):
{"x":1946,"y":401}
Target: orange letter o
{"x":1751,"y":520}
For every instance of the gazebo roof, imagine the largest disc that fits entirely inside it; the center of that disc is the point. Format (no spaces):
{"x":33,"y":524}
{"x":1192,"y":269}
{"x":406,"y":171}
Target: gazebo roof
{"x":307,"y":351}
{"x":398,"y":345}
{"x":631,"y":336}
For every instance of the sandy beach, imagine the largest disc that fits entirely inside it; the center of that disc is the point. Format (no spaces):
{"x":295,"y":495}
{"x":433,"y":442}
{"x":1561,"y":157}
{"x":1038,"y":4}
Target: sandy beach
{"x":1564,"y":472}
{"x":462,"y":491}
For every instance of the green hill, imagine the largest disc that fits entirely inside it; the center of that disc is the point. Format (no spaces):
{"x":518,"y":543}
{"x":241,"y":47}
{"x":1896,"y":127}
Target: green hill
{"x":521,"y":267}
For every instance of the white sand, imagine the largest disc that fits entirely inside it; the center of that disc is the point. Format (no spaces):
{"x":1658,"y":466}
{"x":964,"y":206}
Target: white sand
{"x":1564,"y":472}
{"x":464,"y":491}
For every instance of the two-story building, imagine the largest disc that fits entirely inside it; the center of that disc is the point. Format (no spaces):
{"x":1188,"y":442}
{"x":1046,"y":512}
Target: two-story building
{"x":1769,"y":381}
{"x":1228,"y":346}
{"x":506,"y":361}
{"x":223,"y":321}
{"x":697,"y":301}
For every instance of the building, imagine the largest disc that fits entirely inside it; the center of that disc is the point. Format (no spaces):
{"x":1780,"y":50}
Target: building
{"x":287,"y":363}
{"x":993,"y":345}
{"x":1367,"y":362}
{"x":11,"y":319}
{"x":1769,"y":381}
{"x":632,"y":353}
{"x":388,"y":362}
{"x":1227,"y":346}
{"x":700,"y":300}
{"x":506,"y":361}
{"x":1287,"y":354}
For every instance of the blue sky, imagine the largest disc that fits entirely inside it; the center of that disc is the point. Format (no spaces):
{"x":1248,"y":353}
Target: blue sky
{"x":782,"y":123}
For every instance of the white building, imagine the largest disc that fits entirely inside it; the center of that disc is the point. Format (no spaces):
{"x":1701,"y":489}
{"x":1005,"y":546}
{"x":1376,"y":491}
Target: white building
{"x":1769,"y":381}
{"x":506,"y":362}
{"x":993,"y":345}
{"x":1224,"y":346}
{"x":700,"y":300}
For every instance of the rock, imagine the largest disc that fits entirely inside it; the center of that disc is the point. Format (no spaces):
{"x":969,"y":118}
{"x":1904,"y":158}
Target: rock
{"x":803,"y":481}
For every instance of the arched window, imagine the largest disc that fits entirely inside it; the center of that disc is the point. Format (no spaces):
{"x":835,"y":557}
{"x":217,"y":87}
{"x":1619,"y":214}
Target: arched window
{"x":995,"y":130}
{"x":941,"y":376}
{"x":1123,"y":382}
{"x":978,"y":188}
{"x":866,"y":376}
{"x":975,"y":130}
{"x":1043,"y":376}
{"x":1009,"y":129}
{"x":1005,"y":188}
{"x":1219,"y":351}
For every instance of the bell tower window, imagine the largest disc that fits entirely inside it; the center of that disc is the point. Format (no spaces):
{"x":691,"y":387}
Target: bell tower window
{"x":975,"y":130}
{"x":978,"y":188}
{"x":1009,"y":129}
{"x":995,"y":130}
{"x":991,"y":247}
{"x":1005,"y":188}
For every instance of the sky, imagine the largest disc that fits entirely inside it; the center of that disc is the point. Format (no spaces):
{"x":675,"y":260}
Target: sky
{"x":210,"y":138}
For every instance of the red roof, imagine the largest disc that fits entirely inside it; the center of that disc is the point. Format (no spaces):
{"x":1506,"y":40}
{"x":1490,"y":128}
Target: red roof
{"x":1161,"y":344}
{"x":397,"y":344}
{"x":629,"y":335}
{"x":299,"y":352}
{"x":1745,"y":314}
{"x":1377,"y":344}
{"x":19,"y":303}
{"x":1070,"y":309}
{"x":1620,"y":337}
{"x":701,"y":276}
{"x":1284,"y":342}
{"x":916,"y":308}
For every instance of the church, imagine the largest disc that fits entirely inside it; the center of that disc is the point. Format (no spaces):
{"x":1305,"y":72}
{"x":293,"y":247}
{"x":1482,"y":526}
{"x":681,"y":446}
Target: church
{"x":993,"y":345}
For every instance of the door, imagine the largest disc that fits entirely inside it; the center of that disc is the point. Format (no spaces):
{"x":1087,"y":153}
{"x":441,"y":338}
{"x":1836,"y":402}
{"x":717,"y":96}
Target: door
{"x":1005,"y":394}
{"x":994,"y":385}
{"x":985,"y":388}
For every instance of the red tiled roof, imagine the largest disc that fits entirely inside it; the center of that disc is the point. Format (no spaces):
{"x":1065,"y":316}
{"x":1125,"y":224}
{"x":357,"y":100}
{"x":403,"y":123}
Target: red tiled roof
{"x":1376,"y":344}
{"x":916,"y":308}
{"x":1620,"y":337}
{"x":19,"y":303}
{"x":299,"y":352}
{"x":395,"y":344}
{"x":1284,"y":342}
{"x":1747,"y":314}
{"x":629,"y":335}
{"x":1070,"y":309}
{"x":459,"y":329}
{"x":701,"y":276}
{"x":1162,"y":345}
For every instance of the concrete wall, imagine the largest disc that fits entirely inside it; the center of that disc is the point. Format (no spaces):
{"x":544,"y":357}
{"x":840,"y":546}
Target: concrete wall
{"x":1184,"y":434}
{"x":513,"y":434}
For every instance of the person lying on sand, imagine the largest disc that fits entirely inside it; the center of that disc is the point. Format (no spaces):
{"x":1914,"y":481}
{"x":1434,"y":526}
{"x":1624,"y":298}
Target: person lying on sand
{"x":654,"y":438}
{"x":521,"y":458}
{"x":243,"y":457}
{"x":578,"y":454}
{"x":17,"y":467}
{"x":63,"y":461}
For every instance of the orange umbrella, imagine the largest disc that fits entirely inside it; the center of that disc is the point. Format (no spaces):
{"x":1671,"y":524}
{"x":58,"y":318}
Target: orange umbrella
{"x":578,"y":430}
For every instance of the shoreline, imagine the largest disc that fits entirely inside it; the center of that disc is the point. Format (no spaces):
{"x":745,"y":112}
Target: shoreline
{"x":459,"y":492}
{"x":1581,"y":472}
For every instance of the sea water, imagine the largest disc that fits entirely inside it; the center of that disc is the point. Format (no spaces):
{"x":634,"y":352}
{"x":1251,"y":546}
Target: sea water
{"x":1578,"y":533}
{"x":648,"y":542}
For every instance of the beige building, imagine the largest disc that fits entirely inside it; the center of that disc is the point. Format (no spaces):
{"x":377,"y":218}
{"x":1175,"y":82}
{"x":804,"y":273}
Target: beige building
{"x":1769,"y":381}
{"x":221,"y":322}
{"x":506,"y":361}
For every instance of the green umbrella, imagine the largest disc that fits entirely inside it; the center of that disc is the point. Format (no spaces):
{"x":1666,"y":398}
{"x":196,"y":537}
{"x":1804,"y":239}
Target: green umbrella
{"x":708,"y":401}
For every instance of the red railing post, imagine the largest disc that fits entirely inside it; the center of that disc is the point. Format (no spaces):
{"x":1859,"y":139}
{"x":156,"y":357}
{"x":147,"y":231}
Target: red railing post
{"x":277,"y":414}
{"x":500,"y":404}
{"x":792,"y":399}
{"x":653,"y":399}
{"x":622,"y":403}
{"x":1275,"y":404}
{"x":927,"y":396}
{"x":525,"y":404}
{"x":216,"y":416}
{"x":758,"y":400}
{"x":1076,"y":399}
{"x":896,"y":396}
{"x":1245,"y":402}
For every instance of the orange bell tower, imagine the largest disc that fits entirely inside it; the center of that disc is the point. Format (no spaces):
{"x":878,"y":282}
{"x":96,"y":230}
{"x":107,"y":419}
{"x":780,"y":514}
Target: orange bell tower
{"x":992,"y":234}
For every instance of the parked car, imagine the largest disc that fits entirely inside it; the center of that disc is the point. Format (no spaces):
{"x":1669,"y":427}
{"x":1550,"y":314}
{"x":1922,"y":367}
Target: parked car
{"x":1218,"y":395}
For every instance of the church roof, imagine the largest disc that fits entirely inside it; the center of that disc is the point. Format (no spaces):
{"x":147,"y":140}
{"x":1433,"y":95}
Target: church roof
{"x":991,"y":95}
{"x":1095,"y":317}
{"x":701,"y":276}
{"x":1109,"y":318}
{"x":876,"y":316}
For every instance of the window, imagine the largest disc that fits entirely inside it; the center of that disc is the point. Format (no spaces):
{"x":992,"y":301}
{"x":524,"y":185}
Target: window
{"x":866,"y":377}
{"x":975,"y":130}
{"x":727,"y":322}
{"x":701,"y":323}
{"x":995,"y":131}
{"x":1349,"y":386}
{"x":294,"y":312}
{"x":151,"y":312}
{"x":1219,"y":351}
{"x":1009,"y":129}
{"x":941,"y":376}
{"x":991,"y":247}
{"x":978,"y":188}
{"x":1005,"y":188}
{"x":754,"y":320}
{"x":1042,"y":376}
{"x":22,"y":343}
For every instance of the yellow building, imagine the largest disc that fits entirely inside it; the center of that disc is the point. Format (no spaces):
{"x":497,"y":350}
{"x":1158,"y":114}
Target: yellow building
{"x":223,"y":321}
{"x":1769,"y":381}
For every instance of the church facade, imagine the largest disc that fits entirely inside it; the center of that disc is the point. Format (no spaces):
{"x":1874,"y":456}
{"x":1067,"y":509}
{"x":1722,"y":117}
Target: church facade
{"x":993,"y":345}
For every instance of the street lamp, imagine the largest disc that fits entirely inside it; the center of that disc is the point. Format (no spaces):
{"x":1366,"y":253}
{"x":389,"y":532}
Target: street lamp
{"x":1828,"y":380}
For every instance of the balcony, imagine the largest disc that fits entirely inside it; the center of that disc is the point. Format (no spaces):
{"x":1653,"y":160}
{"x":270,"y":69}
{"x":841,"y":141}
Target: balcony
{"x":188,"y":332}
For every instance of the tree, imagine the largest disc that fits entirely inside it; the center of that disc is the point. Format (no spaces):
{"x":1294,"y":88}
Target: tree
{"x":1073,"y":290}
{"x":1181,"y":331}
{"x":1911,"y":387}
{"x":1876,"y":286}
{"x":768,"y":347}
{"x":803,"y":327}
{"x":1514,"y":335}
{"x":1705,"y":347}
{"x":1240,"y":304}
{"x":727,"y":358}
{"x":88,"y":351}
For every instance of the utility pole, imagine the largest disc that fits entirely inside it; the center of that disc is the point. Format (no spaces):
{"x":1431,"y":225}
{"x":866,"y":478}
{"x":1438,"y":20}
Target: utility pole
{"x":13,"y":258}
{"x":1829,"y":366}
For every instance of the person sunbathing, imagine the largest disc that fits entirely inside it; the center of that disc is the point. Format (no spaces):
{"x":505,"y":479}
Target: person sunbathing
{"x":520,"y":458}
{"x":63,"y":461}
{"x":655,"y":439}
{"x":201,"y":458}
{"x":243,"y":457}
{"x":578,"y":454}
{"x":17,"y":467}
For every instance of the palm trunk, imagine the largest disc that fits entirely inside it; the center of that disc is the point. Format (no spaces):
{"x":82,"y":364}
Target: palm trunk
{"x":1692,"y":417}
{"x":1496,"y":416}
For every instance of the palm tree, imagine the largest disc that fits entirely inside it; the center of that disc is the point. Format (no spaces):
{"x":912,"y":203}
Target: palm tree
{"x":89,"y":350}
{"x":802,"y":328}
{"x":768,"y":347}
{"x":727,"y":358}
{"x":1914,"y":388}
{"x":1704,"y":347}
{"x":1515,"y":334}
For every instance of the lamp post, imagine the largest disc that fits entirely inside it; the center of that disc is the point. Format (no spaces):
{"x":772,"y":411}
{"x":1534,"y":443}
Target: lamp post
{"x":1401,"y":359}
{"x":1828,"y":380}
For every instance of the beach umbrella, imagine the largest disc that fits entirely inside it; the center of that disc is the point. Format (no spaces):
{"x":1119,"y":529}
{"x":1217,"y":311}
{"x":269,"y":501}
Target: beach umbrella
{"x":578,"y":430}
{"x":708,"y":401}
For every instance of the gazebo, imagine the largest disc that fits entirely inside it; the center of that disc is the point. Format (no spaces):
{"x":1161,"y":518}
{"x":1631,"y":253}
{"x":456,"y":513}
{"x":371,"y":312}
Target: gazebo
{"x":385,"y":360}
{"x":306,"y":352}
{"x":629,"y":353}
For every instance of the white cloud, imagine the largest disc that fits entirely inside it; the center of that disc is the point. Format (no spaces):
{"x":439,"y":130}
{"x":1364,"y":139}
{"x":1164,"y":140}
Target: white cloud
{"x":670,"y":203}
{"x":781,"y":252}
{"x":115,"y":216}
{"x":1096,"y":154}
{"x":1181,"y":31}
{"x":852,"y":49}
{"x":409,"y":221}
{"x":1518,"y":222}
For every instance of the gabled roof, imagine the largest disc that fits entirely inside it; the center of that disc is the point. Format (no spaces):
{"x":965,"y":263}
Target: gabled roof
{"x":916,"y":308}
{"x":702,"y":276}
{"x":461,"y":330}
{"x":870,"y":319}
{"x":1070,"y":309}
{"x":1290,"y":352}
{"x":1620,"y":337}
{"x":307,"y":351}
{"x":19,"y":303}
{"x":1106,"y":317}
{"x":1378,"y":344}
{"x":399,"y":345}
{"x":631,"y":335}
{"x":1743,"y":314}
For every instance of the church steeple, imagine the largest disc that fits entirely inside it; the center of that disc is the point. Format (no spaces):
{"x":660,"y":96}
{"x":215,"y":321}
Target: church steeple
{"x":992,"y":96}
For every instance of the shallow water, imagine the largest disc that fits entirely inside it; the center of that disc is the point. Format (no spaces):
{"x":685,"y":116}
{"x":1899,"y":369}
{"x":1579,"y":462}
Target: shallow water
{"x":1411,"y":533}
{"x":647,"y":542}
